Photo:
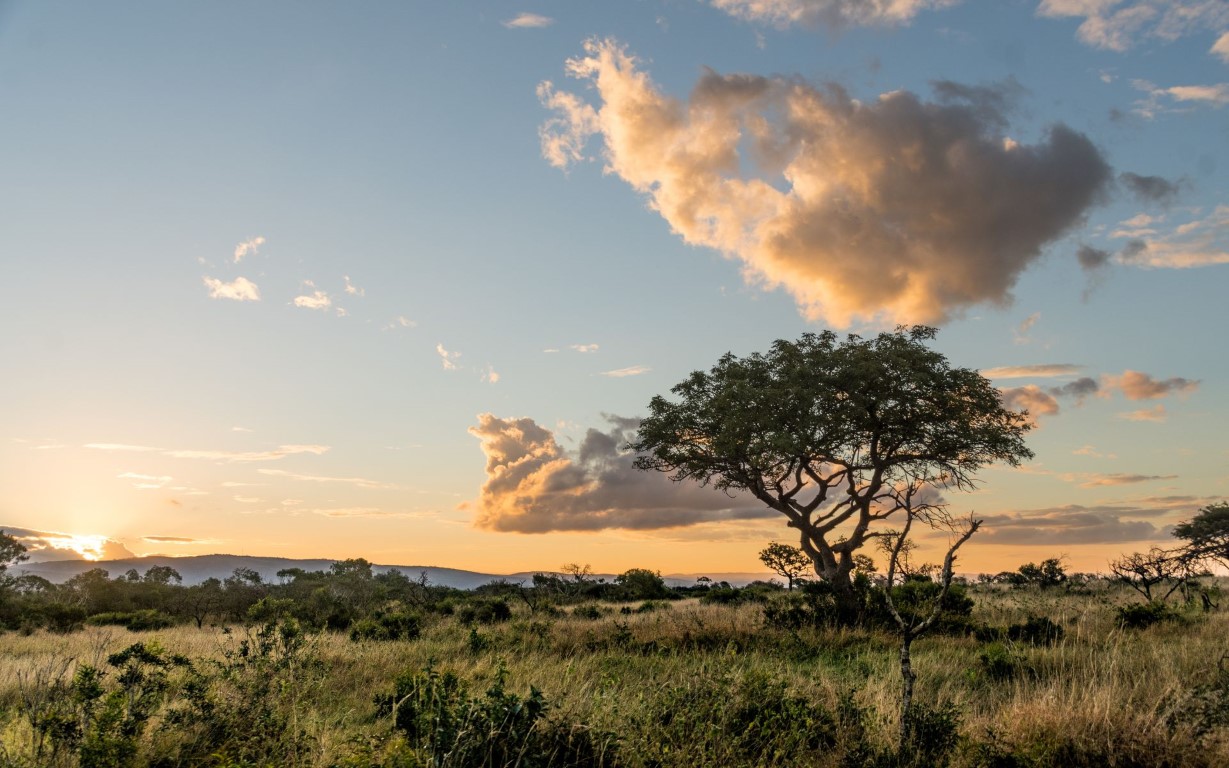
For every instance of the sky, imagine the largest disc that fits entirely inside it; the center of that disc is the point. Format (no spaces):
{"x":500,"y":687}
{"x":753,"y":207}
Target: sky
{"x":395,"y":280}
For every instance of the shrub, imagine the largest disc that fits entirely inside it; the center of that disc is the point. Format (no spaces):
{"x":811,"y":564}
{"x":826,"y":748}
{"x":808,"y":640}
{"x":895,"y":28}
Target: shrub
{"x":1036,"y":630}
{"x":133,"y":621}
{"x":443,"y":725}
{"x":997,"y":661}
{"x":484,"y":611}
{"x":387,"y":627}
{"x":1143,"y":615}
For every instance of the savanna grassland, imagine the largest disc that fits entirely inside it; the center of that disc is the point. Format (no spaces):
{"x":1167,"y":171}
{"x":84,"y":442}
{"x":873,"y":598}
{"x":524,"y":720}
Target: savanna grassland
{"x":647,"y":683}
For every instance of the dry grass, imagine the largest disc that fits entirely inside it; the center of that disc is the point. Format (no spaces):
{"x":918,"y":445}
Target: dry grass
{"x":1099,"y":688}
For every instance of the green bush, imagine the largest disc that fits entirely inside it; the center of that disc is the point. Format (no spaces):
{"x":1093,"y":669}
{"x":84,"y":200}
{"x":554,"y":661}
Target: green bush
{"x":387,"y":627}
{"x":133,"y":621}
{"x":1143,"y":615}
{"x":997,"y":661}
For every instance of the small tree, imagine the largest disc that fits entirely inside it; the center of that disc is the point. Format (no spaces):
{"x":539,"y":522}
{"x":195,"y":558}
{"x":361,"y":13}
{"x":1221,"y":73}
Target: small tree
{"x":790,"y":563}
{"x":912,"y":624}
{"x":830,"y":433}
{"x":1049,"y":574}
{"x":1142,"y":571}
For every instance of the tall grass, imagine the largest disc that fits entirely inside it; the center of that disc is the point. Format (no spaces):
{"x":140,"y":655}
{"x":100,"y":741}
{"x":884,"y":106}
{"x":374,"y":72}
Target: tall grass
{"x":1100,"y":695}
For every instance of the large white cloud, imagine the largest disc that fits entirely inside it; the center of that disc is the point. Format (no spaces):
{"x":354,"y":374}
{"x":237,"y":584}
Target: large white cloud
{"x":534,"y":486}
{"x":895,"y":209}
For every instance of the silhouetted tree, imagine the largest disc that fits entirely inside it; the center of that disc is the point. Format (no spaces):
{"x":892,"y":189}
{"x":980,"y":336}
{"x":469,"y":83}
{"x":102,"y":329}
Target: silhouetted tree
{"x":790,"y":563}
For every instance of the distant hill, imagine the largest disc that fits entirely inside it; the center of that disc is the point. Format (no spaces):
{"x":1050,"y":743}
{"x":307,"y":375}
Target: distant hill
{"x":196,"y":569}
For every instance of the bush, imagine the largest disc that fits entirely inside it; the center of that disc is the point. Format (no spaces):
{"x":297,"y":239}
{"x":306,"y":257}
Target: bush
{"x":484,"y":612}
{"x":443,"y":725}
{"x":1036,"y":630}
{"x":387,"y":627}
{"x":133,"y":621}
{"x":997,"y":661}
{"x":1143,"y":615}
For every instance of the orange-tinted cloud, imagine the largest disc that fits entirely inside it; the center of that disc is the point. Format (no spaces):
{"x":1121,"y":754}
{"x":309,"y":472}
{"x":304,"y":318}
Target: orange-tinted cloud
{"x":1135,"y":385}
{"x":893,"y":209}
{"x":534,"y":486}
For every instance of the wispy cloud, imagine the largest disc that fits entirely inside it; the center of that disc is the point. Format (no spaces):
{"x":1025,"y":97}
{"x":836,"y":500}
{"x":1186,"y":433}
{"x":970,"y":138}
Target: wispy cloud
{"x":1118,"y":26}
{"x":1200,"y":242}
{"x":1155,"y":414}
{"x":583,"y":348}
{"x":239,"y":289}
{"x":834,"y":14}
{"x":1045,"y":370}
{"x":1089,"y":450}
{"x":528,"y":21}
{"x":448,"y":359}
{"x":490,"y":376}
{"x":176,"y":540}
{"x":634,"y":370}
{"x":1099,"y":480}
{"x":248,"y":247}
{"x":400,"y":321}
{"x":1021,"y":333}
{"x":147,"y":482}
{"x":358,"y":482}
{"x":352,"y":289}
{"x":784,"y":175}
{"x":274,"y":454}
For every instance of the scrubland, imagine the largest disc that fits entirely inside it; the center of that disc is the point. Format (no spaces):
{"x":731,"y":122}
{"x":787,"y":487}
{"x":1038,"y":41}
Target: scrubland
{"x":663,"y":683}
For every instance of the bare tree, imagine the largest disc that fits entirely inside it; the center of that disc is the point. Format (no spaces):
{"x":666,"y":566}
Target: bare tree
{"x":912,"y":624}
{"x":1156,"y":568}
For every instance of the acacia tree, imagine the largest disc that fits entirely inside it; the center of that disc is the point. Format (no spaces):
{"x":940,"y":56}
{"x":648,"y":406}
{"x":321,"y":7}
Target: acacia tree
{"x":833,"y":434}
{"x":1206,"y":535}
{"x":790,"y":563}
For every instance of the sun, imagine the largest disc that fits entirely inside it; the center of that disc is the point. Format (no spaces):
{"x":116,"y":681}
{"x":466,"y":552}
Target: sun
{"x":88,"y":547}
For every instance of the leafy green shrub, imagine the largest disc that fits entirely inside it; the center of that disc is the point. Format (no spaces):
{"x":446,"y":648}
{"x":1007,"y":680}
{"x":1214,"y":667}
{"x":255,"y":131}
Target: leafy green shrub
{"x":1036,"y":630}
{"x":1143,"y":615}
{"x":387,"y":627}
{"x":588,"y":611}
{"x":931,"y":734}
{"x":244,"y":709}
{"x":477,"y":642}
{"x":133,"y":621}
{"x":443,"y":725}
{"x":484,"y":611}
{"x":722,"y":596}
{"x":997,"y":661}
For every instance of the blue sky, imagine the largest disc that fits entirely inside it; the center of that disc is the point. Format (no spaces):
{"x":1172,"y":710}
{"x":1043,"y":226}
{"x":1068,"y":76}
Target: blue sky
{"x":316,"y":279}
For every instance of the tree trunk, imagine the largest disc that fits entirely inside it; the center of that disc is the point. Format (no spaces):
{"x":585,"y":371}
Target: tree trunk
{"x":907,"y":676}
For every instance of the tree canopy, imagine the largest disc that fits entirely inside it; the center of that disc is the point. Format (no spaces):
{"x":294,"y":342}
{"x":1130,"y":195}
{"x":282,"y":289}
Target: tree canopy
{"x":834,"y":434}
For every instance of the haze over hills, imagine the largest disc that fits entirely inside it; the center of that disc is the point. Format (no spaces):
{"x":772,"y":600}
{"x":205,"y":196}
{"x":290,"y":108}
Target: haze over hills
{"x":197,"y":569}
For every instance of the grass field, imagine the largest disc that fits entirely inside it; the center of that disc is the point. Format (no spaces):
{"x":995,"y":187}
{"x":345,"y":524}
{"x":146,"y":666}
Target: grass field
{"x":684,"y":684}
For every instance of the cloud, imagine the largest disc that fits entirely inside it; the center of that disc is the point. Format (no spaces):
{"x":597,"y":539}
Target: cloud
{"x":1100,"y":480}
{"x":317,"y":300}
{"x":1196,"y":243}
{"x":1046,"y":370}
{"x":846,"y":204}
{"x":352,"y":289}
{"x":119,"y":447}
{"x":240,"y":289}
{"x":634,"y":370}
{"x":400,"y":321}
{"x":1078,"y":389}
{"x":449,"y":359}
{"x":490,"y":376}
{"x":248,"y":247}
{"x":42,"y":546}
{"x":1088,"y":450}
{"x":1215,"y":95}
{"x":534,"y":486}
{"x":280,"y":452}
{"x":584,"y":348}
{"x":1155,"y":414}
{"x":1135,"y":385}
{"x":1092,"y":259}
{"x":1069,"y":525}
{"x":528,"y":21}
{"x":1021,"y":333}
{"x":1150,"y":189}
{"x":1031,"y":398}
{"x":834,"y":14}
{"x":1221,"y":48}
{"x":147,"y":482}
{"x":1118,"y":26}
{"x":358,"y":482}
{"x":174,"y":540}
